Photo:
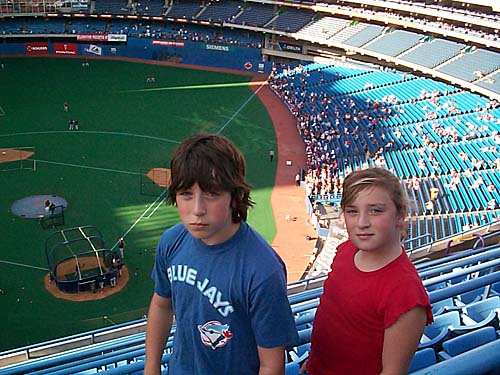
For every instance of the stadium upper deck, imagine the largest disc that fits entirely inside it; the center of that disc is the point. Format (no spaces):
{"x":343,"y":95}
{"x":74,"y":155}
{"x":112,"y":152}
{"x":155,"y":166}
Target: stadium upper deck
{"x":457,"y":45}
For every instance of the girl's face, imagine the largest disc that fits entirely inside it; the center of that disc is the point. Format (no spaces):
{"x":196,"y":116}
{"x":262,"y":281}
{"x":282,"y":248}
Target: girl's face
{"x":372,"y":221}
{"x":207,"y":215}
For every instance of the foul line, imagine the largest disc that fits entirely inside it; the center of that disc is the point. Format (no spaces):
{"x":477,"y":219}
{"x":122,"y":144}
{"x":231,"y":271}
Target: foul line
{"x":158,"y":205}
{"x":2,"y":112}
{"x":91,"y":132}
{"x":142,"y":216}
{"x":87,"y":167}
{"x":24,"y":265}
{"x":241,"y":107}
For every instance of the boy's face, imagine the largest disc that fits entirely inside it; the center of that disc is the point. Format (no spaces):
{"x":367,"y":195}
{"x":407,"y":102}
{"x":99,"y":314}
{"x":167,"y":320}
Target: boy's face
{"x":206,"y":215}
{"x":372,"y":221}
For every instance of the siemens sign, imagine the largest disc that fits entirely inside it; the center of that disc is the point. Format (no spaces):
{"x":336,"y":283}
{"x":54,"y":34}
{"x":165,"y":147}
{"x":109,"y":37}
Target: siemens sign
{"x":217,"y":47}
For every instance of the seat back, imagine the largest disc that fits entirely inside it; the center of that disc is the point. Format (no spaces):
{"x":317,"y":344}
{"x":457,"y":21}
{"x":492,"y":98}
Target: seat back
{"x":305,"y":335}
{"x":422,"y":359}
{"x":468,"y":341}
{"x":292,"y":368}
{"x":449,"y":319}
{"x":481,"y":309}
{"x":472,"y":295}
{"x":439,"y":307}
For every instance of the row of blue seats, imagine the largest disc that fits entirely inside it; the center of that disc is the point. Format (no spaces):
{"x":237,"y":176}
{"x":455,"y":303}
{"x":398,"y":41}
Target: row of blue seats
{"x":485,"y":341}
{"x":128,"y":354}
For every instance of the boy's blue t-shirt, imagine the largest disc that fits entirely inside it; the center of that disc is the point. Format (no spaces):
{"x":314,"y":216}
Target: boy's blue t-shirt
{"x":227,"y":299}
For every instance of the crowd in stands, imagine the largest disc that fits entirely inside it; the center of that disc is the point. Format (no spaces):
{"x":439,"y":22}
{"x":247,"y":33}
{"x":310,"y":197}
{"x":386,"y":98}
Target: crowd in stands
{"x":144,"y":29}
{"x":338,"y":128}
{"x":283,"y":17}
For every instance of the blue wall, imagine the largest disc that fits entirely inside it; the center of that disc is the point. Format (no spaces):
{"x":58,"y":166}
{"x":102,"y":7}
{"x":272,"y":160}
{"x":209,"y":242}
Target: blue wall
{"x":196,"y":53}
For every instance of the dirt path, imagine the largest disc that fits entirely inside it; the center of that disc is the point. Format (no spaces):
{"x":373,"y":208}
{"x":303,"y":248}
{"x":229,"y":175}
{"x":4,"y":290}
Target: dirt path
{"x":288,"y":199}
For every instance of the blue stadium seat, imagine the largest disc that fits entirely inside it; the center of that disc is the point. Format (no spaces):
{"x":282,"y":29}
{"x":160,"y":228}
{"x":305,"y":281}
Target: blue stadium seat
{"x":472,"y":296}
{"x":467,"y":341}
{"x":440,"y":330}
{"x":305,"y":319}
{"x":422,"y":359}
{"x":495,"y":289}
{"x":485,"y":312}
{"x":305,"y":336}
{"x":292,"y":368}
{"x":439,"y":307}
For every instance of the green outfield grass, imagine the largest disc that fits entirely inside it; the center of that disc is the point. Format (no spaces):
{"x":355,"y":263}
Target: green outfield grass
{"x":125,"y":128}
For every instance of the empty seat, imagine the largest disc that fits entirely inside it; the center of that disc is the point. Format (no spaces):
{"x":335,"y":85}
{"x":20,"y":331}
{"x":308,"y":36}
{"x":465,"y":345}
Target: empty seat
{"x":443,"y":306}
{"x":495,"y":289}
{"x":292,"y":368}
{"x":305,"y":336}
{"x":422,"y":359}
{"x":471,"y":296}
{"x":481,"y":313}
{"x":467,"y":341}
{"x":440,"y":330}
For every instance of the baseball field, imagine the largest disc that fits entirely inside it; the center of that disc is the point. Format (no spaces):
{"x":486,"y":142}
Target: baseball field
{"x":126,"y":127}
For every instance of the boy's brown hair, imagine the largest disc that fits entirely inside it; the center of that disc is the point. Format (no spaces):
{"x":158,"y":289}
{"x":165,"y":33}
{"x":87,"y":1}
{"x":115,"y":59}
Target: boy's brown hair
{"x":216,"y":164}
{"x":367,"y":178}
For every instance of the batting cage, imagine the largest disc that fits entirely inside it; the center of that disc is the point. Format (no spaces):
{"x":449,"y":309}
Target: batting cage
{"x":78,"y":259}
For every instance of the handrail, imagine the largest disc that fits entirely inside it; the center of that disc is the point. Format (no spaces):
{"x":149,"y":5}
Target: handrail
{"x":463,"y":236}
{"x":462,"y":272}
{"x":417,"y":238}
{"x":470,"y":260}
{"x":465,"y":286}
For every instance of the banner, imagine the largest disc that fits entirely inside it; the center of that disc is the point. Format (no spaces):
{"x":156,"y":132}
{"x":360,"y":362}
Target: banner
{"x":217,"y":47}
{"x":65,"y":48}
{"x":290,"y":47}
{"x":117,"y":37}
{"x":81,"y":4}
{"x":167,"y":43}
{"x":92,"y":37}
{"x":37,"y":48}
{"x":101,"y":37}
{"x":93,"y":49}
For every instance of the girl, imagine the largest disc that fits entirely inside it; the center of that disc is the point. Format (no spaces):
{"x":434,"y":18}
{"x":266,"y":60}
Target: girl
{"x":374,"y":307}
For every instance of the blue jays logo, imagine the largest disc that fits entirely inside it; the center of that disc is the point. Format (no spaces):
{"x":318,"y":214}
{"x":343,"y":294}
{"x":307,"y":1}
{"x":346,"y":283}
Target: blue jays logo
{"x":214,"y":334}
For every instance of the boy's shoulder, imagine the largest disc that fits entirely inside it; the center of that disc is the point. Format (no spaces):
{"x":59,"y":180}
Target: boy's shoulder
{"x":258,"y":247}
{"x":172,"y":236}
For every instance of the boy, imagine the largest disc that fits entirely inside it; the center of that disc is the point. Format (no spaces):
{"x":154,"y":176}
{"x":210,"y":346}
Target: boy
{"x":225,"y":285}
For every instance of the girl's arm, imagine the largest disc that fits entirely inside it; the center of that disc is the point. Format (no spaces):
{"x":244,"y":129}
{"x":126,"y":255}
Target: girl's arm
{"x":401,"y":341}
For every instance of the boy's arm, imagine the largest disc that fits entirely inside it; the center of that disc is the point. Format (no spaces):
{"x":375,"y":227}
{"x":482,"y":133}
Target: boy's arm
{"x":160,"y":319}
{"x":272,"y":360}
{"x":401,"y":341}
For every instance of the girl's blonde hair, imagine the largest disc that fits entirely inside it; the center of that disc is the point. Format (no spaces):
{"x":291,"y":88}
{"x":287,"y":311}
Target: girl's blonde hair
{"x":360,"y":180}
